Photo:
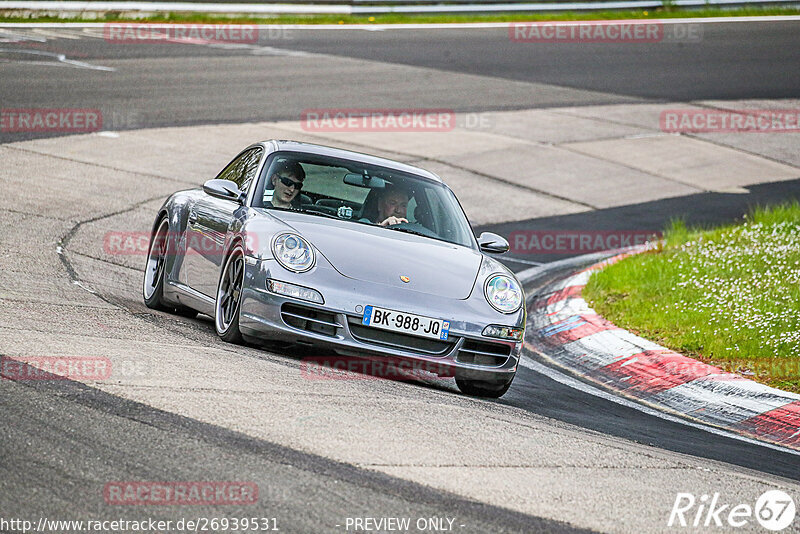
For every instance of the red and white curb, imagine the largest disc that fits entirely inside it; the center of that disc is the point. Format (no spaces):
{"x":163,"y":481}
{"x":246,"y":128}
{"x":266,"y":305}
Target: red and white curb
{"x":566,"y":330}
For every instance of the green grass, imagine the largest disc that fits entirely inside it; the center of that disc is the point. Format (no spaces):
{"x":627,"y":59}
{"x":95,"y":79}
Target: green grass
{"x":729,"y":296}
{"x":400,"y":18}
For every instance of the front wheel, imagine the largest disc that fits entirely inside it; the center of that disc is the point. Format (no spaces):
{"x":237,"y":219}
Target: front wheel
{"x":229,"y":297}
{"x":493,"y":389}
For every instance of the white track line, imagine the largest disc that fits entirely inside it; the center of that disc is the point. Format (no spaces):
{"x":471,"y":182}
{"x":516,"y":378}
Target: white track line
{"x":437,"y":26}
{"x":574,"y":383}
{"x":60,"y":60}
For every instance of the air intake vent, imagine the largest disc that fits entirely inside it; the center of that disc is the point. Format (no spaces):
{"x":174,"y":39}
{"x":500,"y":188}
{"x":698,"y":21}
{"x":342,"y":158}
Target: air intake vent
{"x":399,"y":341}
{"x":309,"y":319}
{"x":483,"y":353}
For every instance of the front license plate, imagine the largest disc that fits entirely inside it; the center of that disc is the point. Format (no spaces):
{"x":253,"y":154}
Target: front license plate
{"x":408,"y":323}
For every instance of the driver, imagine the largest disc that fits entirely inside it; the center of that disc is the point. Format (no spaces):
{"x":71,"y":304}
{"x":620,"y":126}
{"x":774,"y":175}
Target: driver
{"x":392,"y":206}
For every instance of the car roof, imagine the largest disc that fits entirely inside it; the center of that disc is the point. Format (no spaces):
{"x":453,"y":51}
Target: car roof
{"x":321,"y":150}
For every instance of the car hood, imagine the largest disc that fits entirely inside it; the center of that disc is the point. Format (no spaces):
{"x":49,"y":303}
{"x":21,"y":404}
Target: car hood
{"x":378,"y":255}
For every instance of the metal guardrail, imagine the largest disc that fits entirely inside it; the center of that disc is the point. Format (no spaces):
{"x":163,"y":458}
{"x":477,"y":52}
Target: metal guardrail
{"x":556,"y":6}
{"x":414,"y":6}
{"x":337,"y":2}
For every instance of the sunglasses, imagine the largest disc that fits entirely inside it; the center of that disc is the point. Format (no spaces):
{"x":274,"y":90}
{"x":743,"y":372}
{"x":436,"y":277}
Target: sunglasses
{"x":290,"y":183}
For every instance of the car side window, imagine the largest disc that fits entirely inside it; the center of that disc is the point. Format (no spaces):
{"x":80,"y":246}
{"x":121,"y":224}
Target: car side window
{"x":242,"y":170}
{"x":438,"y":215}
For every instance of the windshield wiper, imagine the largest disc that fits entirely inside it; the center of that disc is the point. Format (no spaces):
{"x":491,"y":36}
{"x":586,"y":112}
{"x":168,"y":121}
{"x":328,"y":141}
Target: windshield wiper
{"x":322,"y":214}
{"x":309,"y":212}
{"x":410,"y":231}
{"x":295,"y":210}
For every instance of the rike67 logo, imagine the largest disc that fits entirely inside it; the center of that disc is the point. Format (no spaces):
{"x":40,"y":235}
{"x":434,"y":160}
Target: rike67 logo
{"x":774,"y":510}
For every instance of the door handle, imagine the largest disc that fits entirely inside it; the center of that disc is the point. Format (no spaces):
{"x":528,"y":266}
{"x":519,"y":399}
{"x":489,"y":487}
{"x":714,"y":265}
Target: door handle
{"x":192,"y":217}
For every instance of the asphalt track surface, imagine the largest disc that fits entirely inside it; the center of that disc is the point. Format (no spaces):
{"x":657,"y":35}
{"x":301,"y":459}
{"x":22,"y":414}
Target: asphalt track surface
{"x":63,"y":440}
{"x":765,"y":60}
{"x":175,"y":84}
{"x":107,"y":438}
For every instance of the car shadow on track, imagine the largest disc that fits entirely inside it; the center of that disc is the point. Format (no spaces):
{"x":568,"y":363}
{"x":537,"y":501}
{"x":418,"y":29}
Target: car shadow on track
{"x":317,"y":364}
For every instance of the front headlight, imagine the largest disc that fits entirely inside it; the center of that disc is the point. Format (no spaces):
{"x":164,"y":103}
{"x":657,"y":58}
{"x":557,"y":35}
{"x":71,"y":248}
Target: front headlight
{"x":293,"y":252}
{"x":503,"y":293}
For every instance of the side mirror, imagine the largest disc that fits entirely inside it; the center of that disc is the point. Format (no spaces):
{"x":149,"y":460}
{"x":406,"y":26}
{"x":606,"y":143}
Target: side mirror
{"x":492,"y":243}
{"x":224,"y":189}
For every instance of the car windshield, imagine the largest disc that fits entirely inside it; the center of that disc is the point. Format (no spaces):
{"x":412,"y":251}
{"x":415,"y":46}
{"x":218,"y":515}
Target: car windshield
{"x":363,"y":194}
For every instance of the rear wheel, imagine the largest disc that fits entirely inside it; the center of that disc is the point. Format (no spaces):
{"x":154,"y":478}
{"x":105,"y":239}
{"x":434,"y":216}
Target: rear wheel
{"x":493,"y":389}
{"x":229,"y":297}
{"x":153,"y":287}
{"x":155,"y":272}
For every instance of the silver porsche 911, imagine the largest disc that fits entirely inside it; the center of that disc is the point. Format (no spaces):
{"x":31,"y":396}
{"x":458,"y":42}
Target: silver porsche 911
{"x":349,"y":253}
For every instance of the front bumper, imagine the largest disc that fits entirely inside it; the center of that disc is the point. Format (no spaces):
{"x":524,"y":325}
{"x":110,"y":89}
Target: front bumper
{"x":336,"y":324}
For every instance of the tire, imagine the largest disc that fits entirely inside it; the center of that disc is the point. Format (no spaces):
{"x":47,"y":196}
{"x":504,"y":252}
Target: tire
{"x":155,"y":269}
{"x":229,"y":297}
{"x":492,"y":389}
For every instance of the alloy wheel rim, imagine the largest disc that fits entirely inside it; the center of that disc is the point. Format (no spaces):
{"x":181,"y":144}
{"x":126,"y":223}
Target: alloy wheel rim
{"x":230,"y":290}
{"x":156,"y":260}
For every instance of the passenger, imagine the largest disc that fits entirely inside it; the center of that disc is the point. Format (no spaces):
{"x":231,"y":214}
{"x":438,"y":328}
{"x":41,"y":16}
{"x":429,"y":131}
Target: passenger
{"x":286,"y":182}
